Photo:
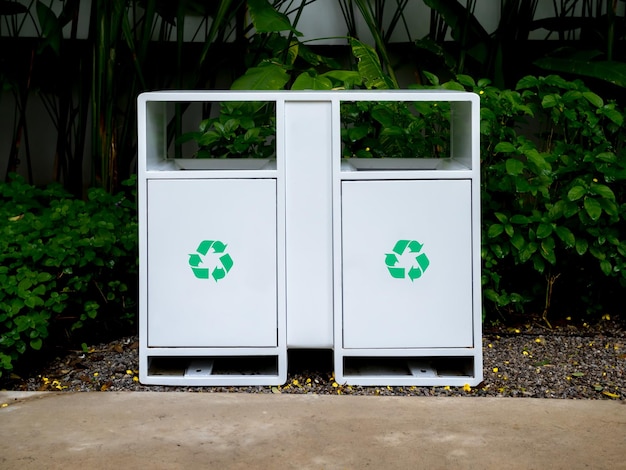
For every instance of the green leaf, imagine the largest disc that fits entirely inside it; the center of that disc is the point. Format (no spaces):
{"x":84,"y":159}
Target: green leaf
{"x":565,"y":235}
{"x":306,"y":81}
{"x":463,"y":25}
{"x":602,"y":190}
{"x":36,"y":344}
{"x":369,"y":66}
{"x":266,"y":19}
{"x":576,"y":193}
{"x":33,"y":301}
{"x":349,"y":78}
{"x":605,"y":266}
{"x":517,"y":240}
{"x":608,"y":157}
{"x":527,"y":82}
{"x":581,"y":246}
{"x":547,"y":250}
{"x":519,"y":219}
{"x":539,"y":264}
{"x":50,"y":26}
{"x":556,"y":211}
{"x":495,"y":230}
{"x":501,"y":217}
{"x":544,"y":230}
{"x":267,"y":76}
{"x":593,"y":208}
{"x":466,"y":80}
{"x":613,"y":115}
{"x":593,"y":99}
{"x":610,"y":71}
{"x":549,"y":101}
{"x":610,"y":207}
{"x":514,"y":166}
{"x":528,"y":250}
{"x":504,"y":147}
{"x":490,"y":294}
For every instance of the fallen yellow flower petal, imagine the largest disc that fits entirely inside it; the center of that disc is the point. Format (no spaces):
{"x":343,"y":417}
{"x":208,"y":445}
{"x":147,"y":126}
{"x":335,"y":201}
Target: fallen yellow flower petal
{"x":610,"y":395}
{"x":129,"y":372}
{"x":495,"y":370}
{"x":467,"y":388}
{"x":135,"y":379}
{"x":4,"y":405}
{"x":335,"y":384}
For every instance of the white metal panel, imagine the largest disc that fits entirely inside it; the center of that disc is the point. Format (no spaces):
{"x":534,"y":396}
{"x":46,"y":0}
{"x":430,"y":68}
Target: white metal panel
{"x":429,"y":303}
{"x":234,"y":306}
{"x":308,"y":181}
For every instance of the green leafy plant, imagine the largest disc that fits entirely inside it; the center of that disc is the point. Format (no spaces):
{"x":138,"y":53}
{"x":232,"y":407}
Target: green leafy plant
{"x":65,"y":263}
{"x":553,"y":175}
{"x":395,"y":129}
{"x":242,"y":130}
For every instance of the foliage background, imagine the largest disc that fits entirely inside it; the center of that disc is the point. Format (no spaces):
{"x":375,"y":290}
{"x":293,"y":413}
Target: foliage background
{"x":553,"y":153}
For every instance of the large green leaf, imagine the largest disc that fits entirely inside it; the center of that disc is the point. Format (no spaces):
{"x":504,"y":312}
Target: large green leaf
{"x":367,"y":12}
{"x":369,"y":66}
{"x":268,"y":20}
{"x":306,"y":81}
{"x":464,"y":26}
{"x":267,"y":76}
{"x":349,"y":78}
{"x":51,"y":27}
{"x":610,"y":71}
{"x":593,"y":208}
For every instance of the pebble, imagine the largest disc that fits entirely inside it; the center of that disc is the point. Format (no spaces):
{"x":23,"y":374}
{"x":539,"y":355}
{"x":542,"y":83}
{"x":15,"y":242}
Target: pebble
{"x":531,"y":362}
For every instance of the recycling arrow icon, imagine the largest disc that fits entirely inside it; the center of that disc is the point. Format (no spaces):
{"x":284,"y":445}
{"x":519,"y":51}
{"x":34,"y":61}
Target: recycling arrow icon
{"x":210,"y":260}
{"x":407,"y":260}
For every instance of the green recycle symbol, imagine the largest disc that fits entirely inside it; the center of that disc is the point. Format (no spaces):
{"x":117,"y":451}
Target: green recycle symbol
{"x":416,"y":270}
{"x":197,"y":259}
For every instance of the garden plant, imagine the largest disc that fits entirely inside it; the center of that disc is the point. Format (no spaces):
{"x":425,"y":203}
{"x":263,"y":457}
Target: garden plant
{"x":553,"y":147}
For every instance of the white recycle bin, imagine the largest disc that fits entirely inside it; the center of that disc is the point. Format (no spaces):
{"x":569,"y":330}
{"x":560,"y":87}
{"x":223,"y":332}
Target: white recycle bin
{"x":243,"y":259}
{"x":407,"y":261}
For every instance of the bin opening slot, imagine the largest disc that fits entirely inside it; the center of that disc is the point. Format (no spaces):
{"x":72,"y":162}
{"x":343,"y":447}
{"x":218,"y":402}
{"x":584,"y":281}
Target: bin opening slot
{"x":409,"y":366}
{"x":212,"y":366}
{"x":390,"y":130}
{"x":219,"y":130}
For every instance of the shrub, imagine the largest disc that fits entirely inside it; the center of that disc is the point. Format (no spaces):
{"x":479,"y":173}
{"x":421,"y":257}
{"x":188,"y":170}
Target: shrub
{"x":63,"y":263}
{"x":553,"y":174}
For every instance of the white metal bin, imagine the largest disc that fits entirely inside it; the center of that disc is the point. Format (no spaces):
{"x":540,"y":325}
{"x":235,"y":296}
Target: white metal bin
{"x":212,"y":295}
{"x":407,"y":259}
{"x":377,"y":259}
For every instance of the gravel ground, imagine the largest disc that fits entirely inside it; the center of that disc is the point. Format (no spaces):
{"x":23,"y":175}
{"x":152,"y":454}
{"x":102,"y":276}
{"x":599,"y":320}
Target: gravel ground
{"x":565,"y":362}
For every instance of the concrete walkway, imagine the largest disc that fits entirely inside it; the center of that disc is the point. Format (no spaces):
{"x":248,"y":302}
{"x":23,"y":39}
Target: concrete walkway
{"x":210,"y":430}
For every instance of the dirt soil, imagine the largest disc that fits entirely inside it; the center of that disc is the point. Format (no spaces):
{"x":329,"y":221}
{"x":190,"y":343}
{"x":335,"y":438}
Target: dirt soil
{"x":529,"y":360}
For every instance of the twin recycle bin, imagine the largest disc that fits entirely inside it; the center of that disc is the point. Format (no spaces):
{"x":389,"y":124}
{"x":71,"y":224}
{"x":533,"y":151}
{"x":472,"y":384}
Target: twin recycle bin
{"x":244,"y":259}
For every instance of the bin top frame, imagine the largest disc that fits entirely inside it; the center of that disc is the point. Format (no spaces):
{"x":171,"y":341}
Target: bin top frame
{"x":465,"y":122}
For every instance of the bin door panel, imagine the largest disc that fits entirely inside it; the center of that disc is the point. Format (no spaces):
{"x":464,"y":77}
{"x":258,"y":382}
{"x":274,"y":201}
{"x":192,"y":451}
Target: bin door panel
{"x":212,"y":274}
{"x":407,"y":264}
